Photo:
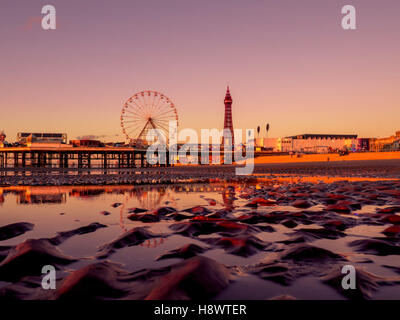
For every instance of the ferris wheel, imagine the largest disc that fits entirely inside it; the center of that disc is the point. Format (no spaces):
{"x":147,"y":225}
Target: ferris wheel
{"x":147,"y":112}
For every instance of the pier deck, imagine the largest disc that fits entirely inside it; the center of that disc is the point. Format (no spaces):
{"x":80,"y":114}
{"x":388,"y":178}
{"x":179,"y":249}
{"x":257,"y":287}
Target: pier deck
{"x":82,"y":157}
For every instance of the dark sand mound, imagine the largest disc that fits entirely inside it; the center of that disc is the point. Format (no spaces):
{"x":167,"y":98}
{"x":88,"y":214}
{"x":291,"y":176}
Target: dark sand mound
{"x":392,"y":231}
{"x":101,"y":280}
{"x":244,"y":246}
{"x":4,"y":250}
{"x":257,"y":217}
{"x":305,"y":252}
{"x":335,"y":225}
{"x":339,"y":208}
{"x":366,"y":283}
{"x":198,"y":210}
{"x":289,"y":223}
{"x":302,"y":204}
{"x":195,"y":278}
{"x":96,"y":281}
{"x":179,"y":216}
{"x":165,"y":210}
{"x":296,"y":261}
{"x":187,"y":251}
{"x":318,"y":233}
{"x":64,"y":235}
{"x":136,"y":210}
{"x":256,"y":202}
{"x":391,"y":218}
{"x":14,"y":230}
{"x":394,"y":209}
{"x":133,"y":237}
{"x":163,"y":213}
{"x":147,"y":217}
{"x":276,"y":272}
{"x":28,"y":258}
{"x":28,"y":288}
{"x":116,"y":204}
{"x":375,"y":246}
{"x":295,"y":239}
{"x":195,"y":228}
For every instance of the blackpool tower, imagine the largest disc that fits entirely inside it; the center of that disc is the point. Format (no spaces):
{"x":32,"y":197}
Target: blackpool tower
{"x":228,"y":138}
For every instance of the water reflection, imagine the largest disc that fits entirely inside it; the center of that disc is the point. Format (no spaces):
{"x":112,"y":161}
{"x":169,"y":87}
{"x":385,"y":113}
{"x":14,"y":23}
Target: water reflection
{"x":148,"y":197}
{"x":228,"y":196}
{"x":79,"y":199}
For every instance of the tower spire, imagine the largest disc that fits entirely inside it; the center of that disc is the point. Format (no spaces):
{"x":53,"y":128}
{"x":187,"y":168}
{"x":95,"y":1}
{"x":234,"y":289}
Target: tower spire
{"x":228,"y":97}
{"x":228,"y":138}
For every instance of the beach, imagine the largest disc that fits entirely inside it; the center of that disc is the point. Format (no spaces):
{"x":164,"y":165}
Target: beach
{"x":380,"y":168}
{"x":286,"y":232}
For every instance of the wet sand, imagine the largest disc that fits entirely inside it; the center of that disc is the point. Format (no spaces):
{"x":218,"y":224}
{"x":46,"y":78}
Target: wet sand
{"x":389,"y":169}
{"x":283,"y":237}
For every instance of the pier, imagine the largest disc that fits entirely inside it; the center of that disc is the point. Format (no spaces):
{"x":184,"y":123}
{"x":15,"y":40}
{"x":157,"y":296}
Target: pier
{"x":99,"y":157}
{"x":80,"y":157}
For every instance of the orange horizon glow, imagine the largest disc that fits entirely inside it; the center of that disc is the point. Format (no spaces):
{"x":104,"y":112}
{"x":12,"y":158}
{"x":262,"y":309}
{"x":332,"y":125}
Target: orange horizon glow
{"x":288,"y":63}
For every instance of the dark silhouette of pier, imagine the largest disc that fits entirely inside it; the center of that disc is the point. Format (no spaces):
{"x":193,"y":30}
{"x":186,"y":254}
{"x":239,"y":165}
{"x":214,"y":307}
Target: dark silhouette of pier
{"x":81,"y":157}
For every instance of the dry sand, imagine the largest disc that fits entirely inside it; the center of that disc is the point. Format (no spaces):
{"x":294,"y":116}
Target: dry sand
{"x":330,"y":156}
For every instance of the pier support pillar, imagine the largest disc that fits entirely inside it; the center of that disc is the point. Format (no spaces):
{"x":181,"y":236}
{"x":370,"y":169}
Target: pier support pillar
{"x":23,"y":159}
{"x":16,"y":156}
{"x":142,"y":160}
{"x":66,"y":160}
{"x":61,"y":160}
{"x":79,"y":160}
{"x":105,"y":160}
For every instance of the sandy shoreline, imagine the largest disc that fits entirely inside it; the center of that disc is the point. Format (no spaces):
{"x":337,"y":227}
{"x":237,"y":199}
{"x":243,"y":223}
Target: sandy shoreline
{"x":385,"y":169}
{"x":331,"y":157}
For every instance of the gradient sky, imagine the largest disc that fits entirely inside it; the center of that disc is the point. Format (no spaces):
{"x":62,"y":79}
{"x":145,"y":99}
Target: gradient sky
{"x":288,"y":63}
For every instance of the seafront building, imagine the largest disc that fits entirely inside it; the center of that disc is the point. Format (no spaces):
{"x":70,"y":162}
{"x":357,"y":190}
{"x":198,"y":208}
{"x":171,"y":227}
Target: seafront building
{"x":309,"y":143}
{"x":2,"y":139}
{"x":31,"y":139}
{"x":325,"y":143}
{"x":90,"y":143}
{"x":318,"y":143}
{"x":386,"y":144}
{"x":396,"y":145}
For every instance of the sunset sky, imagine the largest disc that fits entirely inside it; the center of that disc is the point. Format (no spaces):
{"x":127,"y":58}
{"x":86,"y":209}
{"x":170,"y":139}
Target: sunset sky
{"x":288,"y":63}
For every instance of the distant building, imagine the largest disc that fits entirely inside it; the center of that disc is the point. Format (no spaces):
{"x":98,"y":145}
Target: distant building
{"x":27,"y":138}
{"x":3,"y":142}
{"x":363,"y":144}
{"x":87,"y":143}
{"x":267,"y":144}
{"x":312,"y":143}
{"x":318,"y":143}
{"x":396,"y":145}
{"x":385,"y":144}
{"x":119,"y":144}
